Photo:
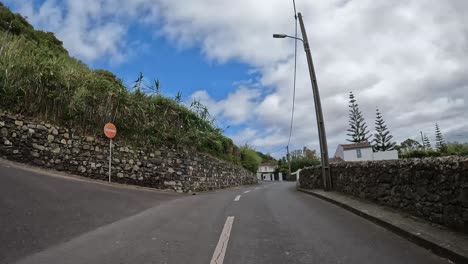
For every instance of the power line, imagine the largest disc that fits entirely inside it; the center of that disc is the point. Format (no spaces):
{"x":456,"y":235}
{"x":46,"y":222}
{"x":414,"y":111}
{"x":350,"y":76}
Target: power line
{"x":295,"y":68}
{"x":277,"y":150}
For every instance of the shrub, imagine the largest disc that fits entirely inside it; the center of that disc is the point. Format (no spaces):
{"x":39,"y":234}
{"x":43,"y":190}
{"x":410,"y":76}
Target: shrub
{"x":250,"y":159}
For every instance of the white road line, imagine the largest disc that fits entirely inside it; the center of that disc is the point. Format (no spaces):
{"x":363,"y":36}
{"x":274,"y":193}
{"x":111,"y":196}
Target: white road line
{"x":257,"y":188}
{"x":247,"y":191}
{"x":237,"y":198}
{"x":220,"y":251}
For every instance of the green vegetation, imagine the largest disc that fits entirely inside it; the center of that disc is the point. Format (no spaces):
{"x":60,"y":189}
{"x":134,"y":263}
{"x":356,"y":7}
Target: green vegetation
{"x":39,"y":79}
{"x":266,"y":157}
{"x":417,"y":151}
{"x":300,"y":158}
{"x":250,"y":159}
{"x":455,"y":148}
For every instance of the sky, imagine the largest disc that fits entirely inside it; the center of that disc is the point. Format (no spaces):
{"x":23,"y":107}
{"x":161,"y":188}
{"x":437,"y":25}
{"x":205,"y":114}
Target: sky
{"x":409,"y":58}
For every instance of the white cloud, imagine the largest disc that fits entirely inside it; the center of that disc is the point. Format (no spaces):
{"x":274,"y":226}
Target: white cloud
{"x":407,"y":57}
{"x":236,"y":108}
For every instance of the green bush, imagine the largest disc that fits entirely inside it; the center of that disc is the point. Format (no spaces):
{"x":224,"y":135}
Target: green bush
{"x":250,"y":158}
{"x":420,"y":154}
{"x":458,"y":149}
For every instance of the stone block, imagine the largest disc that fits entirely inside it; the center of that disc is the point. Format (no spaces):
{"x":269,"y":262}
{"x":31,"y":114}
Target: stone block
{"x":56,"y":150}
{"x":4,"y":132}
{"x":41,"y":127}
{"x":38,"y":147}
{"x":38,"y":162}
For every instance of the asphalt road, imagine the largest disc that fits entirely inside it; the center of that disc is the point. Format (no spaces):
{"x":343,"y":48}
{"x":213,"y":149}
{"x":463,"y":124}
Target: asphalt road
{"x":50,"y":220}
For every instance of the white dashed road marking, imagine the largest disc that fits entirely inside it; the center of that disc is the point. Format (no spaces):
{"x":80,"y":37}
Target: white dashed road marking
{"x":237,"y":198}
{"x":257,"y":188}
{"x":220,"y":251}
{"x":247,"y":191}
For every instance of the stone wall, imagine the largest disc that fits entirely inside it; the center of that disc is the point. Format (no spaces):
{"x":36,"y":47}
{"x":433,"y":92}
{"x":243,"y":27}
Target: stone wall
{"x":45,"y":145}
{"x":433,"y":188}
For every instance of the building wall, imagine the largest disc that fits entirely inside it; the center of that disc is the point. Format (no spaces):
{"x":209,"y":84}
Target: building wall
{"x":339,"y":152}
{"x":386,"y":155}
{"x":435,"y":189}
{"x":266,"y":169}
{"x":351,"y":154}
{"x":269,"y":176}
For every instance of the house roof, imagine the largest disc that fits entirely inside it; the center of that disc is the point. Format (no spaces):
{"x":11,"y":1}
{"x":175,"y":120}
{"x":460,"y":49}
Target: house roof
{"x":356,"y":145}
{"x":268,"y":164}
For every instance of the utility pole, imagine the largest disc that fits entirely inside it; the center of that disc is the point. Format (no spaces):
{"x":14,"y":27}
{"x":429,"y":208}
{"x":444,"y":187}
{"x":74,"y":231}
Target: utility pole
{"x":289,"y":163}
{"x":318,"y":110}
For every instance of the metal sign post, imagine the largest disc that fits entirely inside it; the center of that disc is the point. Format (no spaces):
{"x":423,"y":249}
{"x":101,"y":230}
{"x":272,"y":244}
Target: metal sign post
{"x":110,"y":131}
{"x":110,"y":158}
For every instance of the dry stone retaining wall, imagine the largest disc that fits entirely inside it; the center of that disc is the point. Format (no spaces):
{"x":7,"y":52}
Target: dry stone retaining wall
{"x":182,"y":170}
{"x":432,"y":188}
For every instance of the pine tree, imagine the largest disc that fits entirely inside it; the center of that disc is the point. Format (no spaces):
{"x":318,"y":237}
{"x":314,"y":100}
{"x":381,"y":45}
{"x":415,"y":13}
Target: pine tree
{"x":358,"y":131}
{"x":427,"y":143}
{"x":382,"y":140}
{"x":440,"y":142}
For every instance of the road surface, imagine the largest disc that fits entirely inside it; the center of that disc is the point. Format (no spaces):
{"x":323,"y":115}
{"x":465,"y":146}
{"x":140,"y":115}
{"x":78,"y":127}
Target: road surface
{"x":45,"y":219}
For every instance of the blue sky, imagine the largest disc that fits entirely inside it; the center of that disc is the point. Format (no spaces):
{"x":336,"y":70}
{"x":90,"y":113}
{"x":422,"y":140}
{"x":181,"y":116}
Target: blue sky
{"x":222,"y":53}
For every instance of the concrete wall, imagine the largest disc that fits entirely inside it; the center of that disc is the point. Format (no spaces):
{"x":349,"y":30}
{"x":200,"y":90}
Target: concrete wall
{"x":435,"y":189}
{"x":62,"y":149}
{"x":386,"y":155}
{"x":351,"y":154}
{"x":266,"y":169}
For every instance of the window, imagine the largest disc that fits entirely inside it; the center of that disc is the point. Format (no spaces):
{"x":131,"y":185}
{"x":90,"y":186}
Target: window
{"x":358,"y":153}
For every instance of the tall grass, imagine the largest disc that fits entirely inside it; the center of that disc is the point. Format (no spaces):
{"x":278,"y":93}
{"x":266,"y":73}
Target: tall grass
{"x":40,"y":82}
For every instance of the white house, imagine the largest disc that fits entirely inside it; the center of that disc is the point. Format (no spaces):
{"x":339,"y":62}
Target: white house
{"x":363,"y":151}
{"x":266,"y":172}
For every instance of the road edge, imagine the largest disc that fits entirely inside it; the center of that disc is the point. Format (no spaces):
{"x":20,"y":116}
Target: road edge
{"x":70,"y":176}
{"x":425,"y":243}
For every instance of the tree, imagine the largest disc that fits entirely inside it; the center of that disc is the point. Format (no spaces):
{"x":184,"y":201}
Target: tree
{"x":310,"y":154}
{"x":358,"y":131}
{"x":440,"y":142}
{"x":410,"y":145}
{"x":382,"y":141}
{"x":300,"y":158}
{"x":427,"y":143}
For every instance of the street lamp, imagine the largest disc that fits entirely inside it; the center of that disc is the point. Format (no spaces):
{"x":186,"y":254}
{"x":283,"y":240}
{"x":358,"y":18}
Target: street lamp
{"x":318,"y":105}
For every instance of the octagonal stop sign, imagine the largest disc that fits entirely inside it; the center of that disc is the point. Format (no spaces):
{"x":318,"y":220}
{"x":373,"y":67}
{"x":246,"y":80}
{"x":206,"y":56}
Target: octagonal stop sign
{"x":110,"y":130}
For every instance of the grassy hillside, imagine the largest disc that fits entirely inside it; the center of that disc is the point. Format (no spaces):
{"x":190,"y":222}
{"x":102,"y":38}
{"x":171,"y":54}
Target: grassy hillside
{"x":39,"y":79}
